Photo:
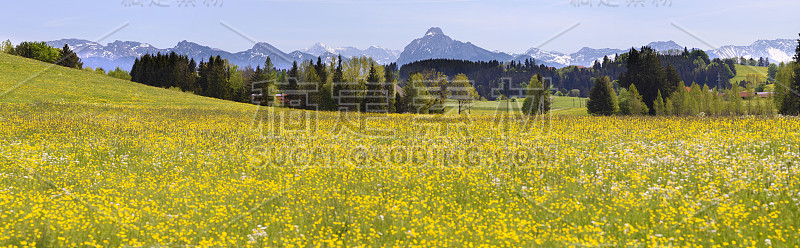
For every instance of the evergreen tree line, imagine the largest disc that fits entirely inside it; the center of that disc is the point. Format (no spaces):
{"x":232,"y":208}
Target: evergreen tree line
{"x":43,"y":52}
{"x":166,"y":70}
{"x":763,"y":62}
{"x":690,"y":66}
{"x":645,"y":79}
{"x":603,"y":100}
{"x":361,"y":84}
{"x":213,"y":78}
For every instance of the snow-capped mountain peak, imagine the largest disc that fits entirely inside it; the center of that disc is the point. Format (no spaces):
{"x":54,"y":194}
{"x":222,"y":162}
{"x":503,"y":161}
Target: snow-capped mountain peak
{"x":318,"y":49}
{"x":434,"y":31}
{"x":665,"y":46}
{"x":779,"y":50}
{"x":435,"y":45}
{"x":379,"y":54}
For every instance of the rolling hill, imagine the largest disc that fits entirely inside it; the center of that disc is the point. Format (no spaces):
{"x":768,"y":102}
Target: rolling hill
{"x":743,"y":70}
{"x":29,"y":81}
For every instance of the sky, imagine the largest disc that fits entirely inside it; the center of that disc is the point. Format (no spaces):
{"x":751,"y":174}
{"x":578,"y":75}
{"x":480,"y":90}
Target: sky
{"x":512,"y":26}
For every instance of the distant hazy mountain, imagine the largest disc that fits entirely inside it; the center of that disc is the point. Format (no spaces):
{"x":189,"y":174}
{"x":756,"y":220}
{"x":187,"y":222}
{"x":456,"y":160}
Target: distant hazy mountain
{"x":665,"y":46}
{"x":586,"y":56}
{"x":123,"y":53}
{"x":436,"y":45}
{"x":379,"y":54}
{"x":258,"y":54}
{"x":116,"y":54}
{"x":780,"y":50}
{"x":548,"y":58}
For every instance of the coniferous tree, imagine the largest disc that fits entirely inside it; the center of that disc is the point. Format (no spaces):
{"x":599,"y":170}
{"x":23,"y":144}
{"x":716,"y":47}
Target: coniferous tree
{"x":256,"y":83}
{"x":602,"y":98}
{"x":311,"y":86}
{"x":644,"y":69}
{"x":772,"y":71}
{"x":338,"y":82}
{"x":673,"y":81}
{"x":374,"y":100}
{"x":291,"y":88}
{"x":389,"y":88}
{"x":69,"y":58}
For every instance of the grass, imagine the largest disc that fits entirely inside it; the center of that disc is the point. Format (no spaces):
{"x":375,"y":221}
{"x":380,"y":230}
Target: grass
{"x":560,"y":104}
{"x":34,"y":81}
{"x":211,"y":173}
{"x":743,"y":70}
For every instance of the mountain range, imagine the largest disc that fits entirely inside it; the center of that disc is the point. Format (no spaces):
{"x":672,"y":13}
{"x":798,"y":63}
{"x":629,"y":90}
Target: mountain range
{"x":433,"y":44}
{"x":436,"y":45}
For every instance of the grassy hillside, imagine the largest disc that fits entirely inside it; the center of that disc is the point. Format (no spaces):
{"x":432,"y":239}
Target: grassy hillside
{"x":25,"y":80}
{"x":152,"y":167}
{"x":743,"y":70}
{"x":559,"y":104}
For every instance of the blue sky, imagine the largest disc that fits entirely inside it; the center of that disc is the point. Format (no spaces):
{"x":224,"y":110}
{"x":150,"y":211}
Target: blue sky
{"x":509,"y":26}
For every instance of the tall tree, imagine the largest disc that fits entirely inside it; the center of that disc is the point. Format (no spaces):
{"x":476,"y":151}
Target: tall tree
{"x":602,"y":98}
{"x":772,"y":71}
{"x":69,"y":58}
{"x":791,"y":98}
{"x":673,"y":81}
{"x":638,"y":107}
{"x":7,"y":47}
{"x":644,"y":69}
{"x":624,"y":102}
{"x":389,"y":87}
{"x":538,"y":97}
{"x":375,"y":100}
{"x":337,"y":81}
{"x":658,"y":105}
{"x":291,"y":88}
{"x":464,"y":93}
{"x":415,"y":96}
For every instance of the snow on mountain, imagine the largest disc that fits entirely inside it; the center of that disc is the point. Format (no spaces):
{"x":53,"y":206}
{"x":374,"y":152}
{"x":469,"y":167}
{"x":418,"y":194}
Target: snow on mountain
{"x":779,"y":50}
{"x":379,"y":54}
{"x":436,"y":45}
{"x":83,"y":48}
{"x":123,"y":53}
{"x":548,"y":58}
{"x":319,"y":49}
{"x":257,"y":55}
{"x":664,"y":46}
{"x":201,"y":53}
{"x":587,"y":56}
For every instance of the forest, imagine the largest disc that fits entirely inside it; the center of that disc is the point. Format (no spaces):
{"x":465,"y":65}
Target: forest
{"x":691,"y":66}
